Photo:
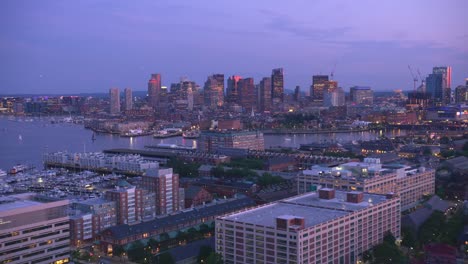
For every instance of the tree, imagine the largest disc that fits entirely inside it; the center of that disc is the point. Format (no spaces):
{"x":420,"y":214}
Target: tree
{"x":153,"y":243}
{"x":118,"y":250}
{"x":409,"y":239}
{"x":164,"y":236}
{"x":138,"y":252}
{"x":204,"y":253}
{"x":214,"y":258}
{"x":204,"y":228}
{"x":164,"y":258}
{"x":75,"y":254}
{"x":217,"y":171}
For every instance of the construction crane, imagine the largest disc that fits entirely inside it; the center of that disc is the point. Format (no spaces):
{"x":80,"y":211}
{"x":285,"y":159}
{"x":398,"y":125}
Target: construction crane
{"x":333,"y":72}
{"x":415,"y":79}
{"x":420,"y":77}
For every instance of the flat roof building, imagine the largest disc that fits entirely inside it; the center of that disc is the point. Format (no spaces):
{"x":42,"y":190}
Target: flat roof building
{"x":326,"y":226}
{"x":34,"y":229}
{"x":410,"y":183}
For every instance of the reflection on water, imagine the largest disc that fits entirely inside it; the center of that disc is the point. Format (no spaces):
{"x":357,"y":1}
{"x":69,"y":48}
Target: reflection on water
{"x":40,"y":136}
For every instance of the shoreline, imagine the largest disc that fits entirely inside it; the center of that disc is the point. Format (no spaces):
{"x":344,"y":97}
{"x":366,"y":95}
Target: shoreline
{"x":293,"y":132}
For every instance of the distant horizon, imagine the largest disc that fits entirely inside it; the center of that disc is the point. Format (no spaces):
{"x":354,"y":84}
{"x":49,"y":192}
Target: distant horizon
{"x":86,"y":46}
{"x":289,"y":91}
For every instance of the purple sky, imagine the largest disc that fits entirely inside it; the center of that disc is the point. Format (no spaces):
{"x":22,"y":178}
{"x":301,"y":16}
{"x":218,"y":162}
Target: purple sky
{"x":90,"y":46}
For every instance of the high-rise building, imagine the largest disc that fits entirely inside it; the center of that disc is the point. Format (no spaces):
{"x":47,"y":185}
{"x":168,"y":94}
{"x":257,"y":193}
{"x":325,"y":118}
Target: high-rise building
{"x":362,"y":95}
{"x":264,"y":94}
{"x":128,"y":201}
{"x":154,"y":90}
{"x":34,"y":229}
{"x":232,"y":91}
{"x":247,"y":97}
{"x":318,"y":87}
{"x":277,"y":86}
{"x":297,"y":91}
{"x":214,"y":91}
{"x":212,"y":141}
{"x":335,"y":97}
{"x":447,"y":72}
{"x":435,"y":87}
{"x":324,"y":226}
{"x":128,"y":99}
{"x":114,"y":95}
{"x":438,"y":84}
{"x":461,"y":94}
{"x":165,"y":184}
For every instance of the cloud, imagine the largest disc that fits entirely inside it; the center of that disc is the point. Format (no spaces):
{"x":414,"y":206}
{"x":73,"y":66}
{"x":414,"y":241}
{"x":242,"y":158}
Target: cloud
{"x":285,"y":24}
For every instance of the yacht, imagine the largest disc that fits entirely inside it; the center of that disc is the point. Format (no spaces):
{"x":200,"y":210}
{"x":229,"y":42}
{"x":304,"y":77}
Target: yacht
{"x":191,"y":134}
{"x":18,"y":168}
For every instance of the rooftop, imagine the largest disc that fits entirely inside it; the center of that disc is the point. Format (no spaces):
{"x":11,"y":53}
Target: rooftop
{"x":16,"y":203}
{"x":309,"y":206}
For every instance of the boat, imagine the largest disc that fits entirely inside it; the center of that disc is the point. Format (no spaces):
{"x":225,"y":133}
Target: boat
{"x":3,"y":173}
{"x":18,"y":168}
{"x":168,"y":132}
{"x":191,"y":134}
{"x":136,"y":133}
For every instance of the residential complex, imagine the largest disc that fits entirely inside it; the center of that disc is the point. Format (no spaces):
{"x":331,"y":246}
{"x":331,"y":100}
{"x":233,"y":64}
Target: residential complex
{"x":324,"y":226}
{"x":34,"y":229}
{"x":165,"y":184}
{"x":100,"y":161}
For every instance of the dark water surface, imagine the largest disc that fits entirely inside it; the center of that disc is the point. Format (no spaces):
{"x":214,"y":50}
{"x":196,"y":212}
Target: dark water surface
{"x":24,"y":140}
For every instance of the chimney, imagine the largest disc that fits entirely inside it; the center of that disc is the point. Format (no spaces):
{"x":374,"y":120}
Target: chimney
{"x":326,"y":193}
{"x":354,"y":197}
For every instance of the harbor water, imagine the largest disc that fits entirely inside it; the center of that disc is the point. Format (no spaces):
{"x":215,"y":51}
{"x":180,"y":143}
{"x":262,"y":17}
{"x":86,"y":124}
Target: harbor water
{"x":24,"y":140}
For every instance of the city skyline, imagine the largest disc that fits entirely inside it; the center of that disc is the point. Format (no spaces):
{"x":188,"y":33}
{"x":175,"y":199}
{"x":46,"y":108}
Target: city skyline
{"x":49,"y":47}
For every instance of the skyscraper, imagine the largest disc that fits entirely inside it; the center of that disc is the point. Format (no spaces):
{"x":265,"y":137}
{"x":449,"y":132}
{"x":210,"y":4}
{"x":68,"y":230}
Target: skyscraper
{"x":461,"y":94}
{"x":114,"y":95}
{"x":296,"y":93}
{"x":264,"y":94}
{"x":362,"y":95}
{"x":439,"y":84}
{"x":128,"y":99}
{"x":247,"y":96}
{"x":277,"y":85}
{"x":435,"y":87}
{"x":232,"y":91}
{"x":335,"y":97}
{"x":154,"y":90}
{"x":318,"y":87}
{"x":214,"y":91}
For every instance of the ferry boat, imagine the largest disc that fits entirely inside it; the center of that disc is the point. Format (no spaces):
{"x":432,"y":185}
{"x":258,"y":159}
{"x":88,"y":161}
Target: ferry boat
{"x":168,"y":132}
{"x":18,"y":168}
{"x":191,"y":134}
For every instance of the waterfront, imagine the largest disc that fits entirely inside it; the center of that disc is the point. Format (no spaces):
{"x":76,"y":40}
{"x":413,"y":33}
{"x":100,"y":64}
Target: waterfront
{"x":24,"y":142}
